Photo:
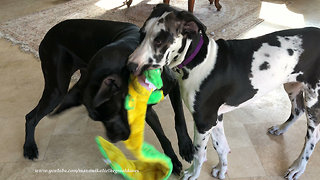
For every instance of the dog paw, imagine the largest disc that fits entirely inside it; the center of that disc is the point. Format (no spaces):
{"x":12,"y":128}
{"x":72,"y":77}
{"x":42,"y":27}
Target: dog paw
{"x":177,"y":166}
{"x":186,"y":150}
{"x":276,"y":130}
{"x":295,"y":170}
{"x":30,"y":151}
{"x":191,"y":173}
{"x":219,"y":172}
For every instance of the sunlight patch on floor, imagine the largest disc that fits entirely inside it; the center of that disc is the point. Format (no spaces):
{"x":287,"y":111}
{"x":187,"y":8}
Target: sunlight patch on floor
{"x":108,"y":4}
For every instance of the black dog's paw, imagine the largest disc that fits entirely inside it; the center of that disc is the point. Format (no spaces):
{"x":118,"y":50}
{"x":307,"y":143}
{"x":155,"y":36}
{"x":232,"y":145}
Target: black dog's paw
{"x":30,"y":151}
{"x":186,"y":149}
{"x":177,"y":166}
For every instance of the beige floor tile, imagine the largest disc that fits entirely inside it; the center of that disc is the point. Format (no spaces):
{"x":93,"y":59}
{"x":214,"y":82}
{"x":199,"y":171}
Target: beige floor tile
{"x":293,"y":137}
{"x":72,"y":121}
{"x":244,"y":162}
{"x":11,"y":147}
{"x":22,"y":80}
{"x":18,"y":170}
{"x":237,"y":137}
{"x":20,"y":8}
{"x":260,"y":178}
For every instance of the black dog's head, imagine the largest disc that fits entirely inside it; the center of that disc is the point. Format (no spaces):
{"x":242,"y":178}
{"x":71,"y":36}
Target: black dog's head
{"x":167,"y":35}
{"x":105,"y":102}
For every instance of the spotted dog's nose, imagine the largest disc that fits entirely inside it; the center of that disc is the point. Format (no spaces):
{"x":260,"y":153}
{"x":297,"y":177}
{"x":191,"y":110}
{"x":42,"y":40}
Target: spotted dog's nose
{"x":132,"y":67}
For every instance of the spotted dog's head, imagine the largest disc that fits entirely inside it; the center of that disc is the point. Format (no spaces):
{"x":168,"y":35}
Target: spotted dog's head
{"x":166,"y":37}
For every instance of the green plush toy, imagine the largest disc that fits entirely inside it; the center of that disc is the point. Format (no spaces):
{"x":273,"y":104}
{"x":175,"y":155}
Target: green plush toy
{"x":150,"y":163}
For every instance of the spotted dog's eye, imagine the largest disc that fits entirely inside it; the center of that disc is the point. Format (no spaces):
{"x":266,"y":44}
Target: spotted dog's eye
{"x":157,"y":42}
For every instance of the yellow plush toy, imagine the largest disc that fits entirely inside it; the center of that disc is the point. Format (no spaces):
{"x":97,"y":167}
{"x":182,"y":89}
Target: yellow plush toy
{"x":150,"y":163}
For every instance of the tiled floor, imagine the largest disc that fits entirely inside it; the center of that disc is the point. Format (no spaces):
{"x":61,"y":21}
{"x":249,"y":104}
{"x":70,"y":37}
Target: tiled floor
{"x":67,"y":141}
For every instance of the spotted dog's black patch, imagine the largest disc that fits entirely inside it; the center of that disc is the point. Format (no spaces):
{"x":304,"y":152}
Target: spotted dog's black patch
{"x":220,"y":118}
{"x":264,"y":66}
{"x":184,"y":42}
{"x":274,"y":42}
{"x":311,"y":128}
{"x":307,"y":158}
{"x":290,"y":52}
{"x":300,"y":101}
{"x":197,"y":147}
{"x":267,"y":55}
{"x":297,"y":111}
{"x":205,"y":147}
{"x":175,"y":58}
{"x":167,"y":58}
{"x":185,"y":74}
{"x":308,"y":135}
{"x":158,"y":57}
{"x":311,"y":146}
{"x":217,"y":143}
{"x":150,"y":61}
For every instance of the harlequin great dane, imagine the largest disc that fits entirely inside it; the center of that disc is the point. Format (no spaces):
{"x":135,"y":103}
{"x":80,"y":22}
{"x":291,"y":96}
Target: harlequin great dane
{"x":219,"y":76}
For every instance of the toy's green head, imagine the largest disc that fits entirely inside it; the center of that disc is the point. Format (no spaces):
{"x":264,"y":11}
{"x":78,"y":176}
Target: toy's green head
{"x":154,"y":76}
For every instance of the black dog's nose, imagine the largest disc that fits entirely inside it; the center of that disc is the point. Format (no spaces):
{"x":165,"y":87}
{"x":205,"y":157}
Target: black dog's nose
{"x":132,"y":67}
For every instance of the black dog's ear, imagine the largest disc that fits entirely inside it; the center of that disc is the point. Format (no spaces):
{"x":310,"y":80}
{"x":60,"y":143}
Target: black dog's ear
{"x":109,"y":87}
{"x":192,"y":24}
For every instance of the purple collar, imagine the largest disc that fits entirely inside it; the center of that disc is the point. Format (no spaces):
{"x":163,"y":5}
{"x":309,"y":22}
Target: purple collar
{"x":195,"y":52}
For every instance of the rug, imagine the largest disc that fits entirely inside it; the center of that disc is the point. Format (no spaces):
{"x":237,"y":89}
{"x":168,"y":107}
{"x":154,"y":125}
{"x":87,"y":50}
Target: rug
{"x":235,"y":17}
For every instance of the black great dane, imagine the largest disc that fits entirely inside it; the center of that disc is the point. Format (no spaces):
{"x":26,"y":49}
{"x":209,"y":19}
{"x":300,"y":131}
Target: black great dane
{"x":99,"y":49}
{"x":216,"y":77}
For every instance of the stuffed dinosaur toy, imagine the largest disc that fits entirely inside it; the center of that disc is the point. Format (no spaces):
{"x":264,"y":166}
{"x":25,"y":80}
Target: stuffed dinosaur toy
{"x":150,"y":163}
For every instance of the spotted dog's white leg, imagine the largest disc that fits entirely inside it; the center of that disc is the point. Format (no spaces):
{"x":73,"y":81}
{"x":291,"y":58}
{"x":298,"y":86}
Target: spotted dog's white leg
{"x":200,"y":145}
{"x":312,"y":106}
{"x":295,"y":94}
{"x":220,"y":144}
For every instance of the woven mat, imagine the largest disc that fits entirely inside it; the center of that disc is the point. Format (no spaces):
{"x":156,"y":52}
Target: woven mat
{"x":235,"y":17}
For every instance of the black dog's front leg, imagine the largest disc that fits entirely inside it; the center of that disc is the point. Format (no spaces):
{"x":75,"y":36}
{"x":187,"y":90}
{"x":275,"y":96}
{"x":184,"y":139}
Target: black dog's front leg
{"x":186,"y":149}
{"x":153,"y":121}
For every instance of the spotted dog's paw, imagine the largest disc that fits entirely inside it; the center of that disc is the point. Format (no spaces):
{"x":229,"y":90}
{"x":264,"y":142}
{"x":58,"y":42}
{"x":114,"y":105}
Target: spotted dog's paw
{"x":276,"y":130}
{"x":219,"y":172}
{"x":295,"y":170}
{"x":190,"y":174}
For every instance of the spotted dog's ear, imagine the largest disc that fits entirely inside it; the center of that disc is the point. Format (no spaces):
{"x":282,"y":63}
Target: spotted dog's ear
{"x":109,"y":87}
{"x":192,"y":24}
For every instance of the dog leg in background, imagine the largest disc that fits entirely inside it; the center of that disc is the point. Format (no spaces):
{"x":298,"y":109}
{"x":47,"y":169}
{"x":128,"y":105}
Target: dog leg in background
{"x":153,"y":121}
{"x":220,"y":144}
{"x":200,"y":145}
{"x":295,"y":94}
{"x":186,"y":149}
{"x":216,"y":3}
{"x":312,"y":105}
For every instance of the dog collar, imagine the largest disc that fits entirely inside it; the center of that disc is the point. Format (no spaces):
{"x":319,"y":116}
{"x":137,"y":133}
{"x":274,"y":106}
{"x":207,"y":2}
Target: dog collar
{"x":195,"y":52}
